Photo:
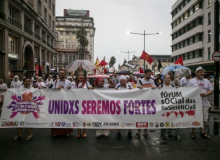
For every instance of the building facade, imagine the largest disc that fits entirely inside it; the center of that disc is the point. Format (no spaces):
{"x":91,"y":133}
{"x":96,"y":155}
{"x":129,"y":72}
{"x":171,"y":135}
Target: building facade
{"x":192,"y":30}
{"x":27,"y":33}
{"x":165,"y":61}
{"x":68,"y":48}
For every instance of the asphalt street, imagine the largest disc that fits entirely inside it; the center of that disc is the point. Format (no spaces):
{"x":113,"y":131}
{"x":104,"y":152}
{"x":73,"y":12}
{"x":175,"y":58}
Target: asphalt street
{"x":43,"y":146}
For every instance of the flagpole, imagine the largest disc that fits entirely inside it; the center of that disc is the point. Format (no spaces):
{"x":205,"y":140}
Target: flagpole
{"x":144,"y":38}
{"x":144,"y":48}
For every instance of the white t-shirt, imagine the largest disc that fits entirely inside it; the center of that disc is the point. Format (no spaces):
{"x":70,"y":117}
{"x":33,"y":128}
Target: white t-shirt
{"x":204,"y":85}
{"x":48,"y":83}
{"x":3,"y":86}
{"x":41,"y":85}
{"x":80,"y":85}
{"x":64,"y":84}
{"x":146,"y":83}
{"x":170,"y":86}
{"x":17,"y":84}
{"x":128,"y":86}
{"x":184,"y":82}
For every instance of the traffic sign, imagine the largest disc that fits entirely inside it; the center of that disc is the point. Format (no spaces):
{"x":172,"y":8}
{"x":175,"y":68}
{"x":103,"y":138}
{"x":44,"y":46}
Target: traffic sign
{"x":216,"y":56}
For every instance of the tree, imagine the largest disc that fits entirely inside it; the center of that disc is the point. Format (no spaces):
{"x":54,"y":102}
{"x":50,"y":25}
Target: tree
{"x":81,"y":37}
{"x":112,"y":61}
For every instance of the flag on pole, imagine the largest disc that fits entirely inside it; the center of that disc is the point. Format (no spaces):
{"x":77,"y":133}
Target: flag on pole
{"x":179,"y":61}
{"x":146,"y":57}
{"x":97,"y":61}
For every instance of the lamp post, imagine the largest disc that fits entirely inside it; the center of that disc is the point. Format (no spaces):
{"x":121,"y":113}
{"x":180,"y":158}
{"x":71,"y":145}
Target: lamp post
{"x":128,"y":52}
{"x":143,"y":34}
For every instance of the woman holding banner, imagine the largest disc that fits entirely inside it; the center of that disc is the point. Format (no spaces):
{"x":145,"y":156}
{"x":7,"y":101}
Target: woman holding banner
{"x":81,"y":83}
{"x":100,"y":84}
{"x":123,"y":85}
{"x":27,"y":84}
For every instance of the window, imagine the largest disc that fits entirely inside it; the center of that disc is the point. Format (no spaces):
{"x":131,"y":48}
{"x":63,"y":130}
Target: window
{"x":190,"y":55}
{"x":197,"y":22}
{"x":12,"y":44}
{"x":209,"y":36}
{"x":186,"y":43}
{"x":209,"y":53}
{"x":209,"y":3}
{"x":66,"y":59}
{"x":209,"y":18}
{"x":191,"y":26}
{"x":196,"y":7}
{"x":49,"y":4}
{"x":60,"y":59}
{"x":186,"y":15}
{"x":181,"y":19}
{"x":73,"y":57}
{"x":49,"y":21}
{"x":196,"y":53}
{"x":39,"y":7}
{"x":191,"y":11}
{"x":70,"y":58}
{"x":196,"y":38}
{"x":191,"y":41}
{"x":45,"y":15}
{"x":186,"y":56}
{"x":53,"y":10}
{"x":177,"y":22}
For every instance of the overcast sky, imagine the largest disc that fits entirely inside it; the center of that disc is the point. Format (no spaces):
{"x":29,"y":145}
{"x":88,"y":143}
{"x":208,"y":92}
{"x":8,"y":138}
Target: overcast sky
{"x":114,"y":17}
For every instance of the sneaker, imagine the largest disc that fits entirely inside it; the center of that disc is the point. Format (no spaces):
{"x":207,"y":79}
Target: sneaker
{"x":119,"y":135}
{"x":162,"y":136}
{"x":129,"y":135}
{"x":137,"y":136}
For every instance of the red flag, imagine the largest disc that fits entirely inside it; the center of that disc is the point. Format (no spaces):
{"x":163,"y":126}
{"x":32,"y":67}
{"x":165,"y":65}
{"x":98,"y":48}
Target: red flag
{"x":146,"y":57}
{"x":179,"y":61}
{"x":103,"y":63}
{"x":141,"y":70}
{"x":105,"y":70}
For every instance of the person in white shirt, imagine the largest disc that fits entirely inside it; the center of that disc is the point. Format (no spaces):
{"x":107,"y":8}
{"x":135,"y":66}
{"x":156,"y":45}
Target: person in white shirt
{"x":16,"y":83}
{"x":49,"y":82}
{"x":61,"y":83}
{"x":71,"y":80}
{"x":3,"y":89}
{"x":123,"y":85}
{"x":206,"y":89}
{"x":27,"y":84}
{"x":100,"y":84}
{"x":81,"y":83}
{"x":184,"y":81}
{"x":145,"y":82}
{"x":40,"y":83}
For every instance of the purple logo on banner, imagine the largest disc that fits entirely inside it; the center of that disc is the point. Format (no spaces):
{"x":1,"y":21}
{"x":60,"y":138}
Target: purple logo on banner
{"x":26,"y":104}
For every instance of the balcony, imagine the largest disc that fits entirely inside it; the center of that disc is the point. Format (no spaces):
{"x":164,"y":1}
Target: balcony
{"x":14,"y":23}
{"x":61,"y":62}
{"x":44,"y":41}
{"x":37,"y":36}
{"x":27,"y":30}
{"x":2,"y":16}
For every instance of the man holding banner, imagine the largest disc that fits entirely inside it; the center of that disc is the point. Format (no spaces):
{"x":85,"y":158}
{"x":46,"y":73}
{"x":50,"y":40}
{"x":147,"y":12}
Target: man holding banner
{"x":59,"y":84}
{"x":145,"y":82}
{"x":206,"y":89}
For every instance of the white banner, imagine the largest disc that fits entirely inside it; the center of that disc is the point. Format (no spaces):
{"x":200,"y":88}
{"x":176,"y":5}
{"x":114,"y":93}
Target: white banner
{"x":103,"y":109}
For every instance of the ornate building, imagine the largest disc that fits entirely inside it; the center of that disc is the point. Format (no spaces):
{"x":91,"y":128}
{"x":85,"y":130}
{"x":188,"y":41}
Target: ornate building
{"x":68,"y":48}
{"x":26,"y":37}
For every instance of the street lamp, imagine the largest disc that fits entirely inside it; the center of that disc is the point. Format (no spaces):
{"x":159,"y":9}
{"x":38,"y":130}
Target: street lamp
{"x":128,"y":52}
{"x":143,"y":34}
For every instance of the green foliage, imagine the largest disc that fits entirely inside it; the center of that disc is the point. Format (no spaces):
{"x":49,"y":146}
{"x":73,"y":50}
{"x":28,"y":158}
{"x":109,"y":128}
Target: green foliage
{"x":81,"y":36}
